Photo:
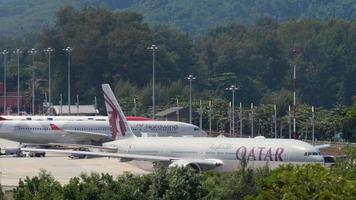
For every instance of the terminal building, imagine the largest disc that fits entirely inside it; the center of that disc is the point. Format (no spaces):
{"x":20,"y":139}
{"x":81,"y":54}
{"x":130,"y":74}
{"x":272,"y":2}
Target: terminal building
{"x":87,"y":110}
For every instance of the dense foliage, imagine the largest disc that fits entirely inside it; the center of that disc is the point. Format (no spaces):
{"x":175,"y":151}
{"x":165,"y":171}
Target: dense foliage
{"x":198,"y":16}
{"x":285,"y":182}
{"x":191,"y":16}
{"x":112,"y":47}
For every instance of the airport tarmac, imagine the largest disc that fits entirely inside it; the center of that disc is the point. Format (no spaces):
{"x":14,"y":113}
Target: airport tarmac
{"x":60,"y":166}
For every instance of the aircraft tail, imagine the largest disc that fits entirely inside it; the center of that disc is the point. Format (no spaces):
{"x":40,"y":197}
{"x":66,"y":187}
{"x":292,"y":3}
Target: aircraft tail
{"x":117,"y":120}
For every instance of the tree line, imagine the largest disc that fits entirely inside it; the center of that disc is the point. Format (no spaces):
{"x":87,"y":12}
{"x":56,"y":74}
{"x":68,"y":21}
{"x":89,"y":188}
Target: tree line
{"x":196,"y":17}
{"x":112,"y":47}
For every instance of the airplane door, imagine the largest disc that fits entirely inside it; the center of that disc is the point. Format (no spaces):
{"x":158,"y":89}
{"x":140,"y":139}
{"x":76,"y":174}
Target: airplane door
{"x":285,"y":157}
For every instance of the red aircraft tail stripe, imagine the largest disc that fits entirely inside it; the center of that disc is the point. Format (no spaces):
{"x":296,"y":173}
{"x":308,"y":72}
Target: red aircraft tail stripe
{"x":54,"y":127}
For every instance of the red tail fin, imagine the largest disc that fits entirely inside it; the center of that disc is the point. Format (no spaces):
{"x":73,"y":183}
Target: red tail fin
{"x":55,"y":127}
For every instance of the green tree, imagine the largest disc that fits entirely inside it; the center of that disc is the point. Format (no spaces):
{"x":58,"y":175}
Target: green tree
{"x":159,"y":182}
{"x":43,"y":186}
{"x":234,"y":185}
{"x":183,"y":183}
{"x":1,"y":193}
{"x":176,"y":183}
{"x":105,"y":187}
{"x":305,"y":182}
{"x":346,"y":167}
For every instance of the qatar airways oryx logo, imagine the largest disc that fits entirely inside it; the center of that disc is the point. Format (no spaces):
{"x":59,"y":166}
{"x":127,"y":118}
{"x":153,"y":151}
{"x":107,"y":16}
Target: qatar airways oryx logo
{"x":115,"y":119}
{"x":260,"y":153}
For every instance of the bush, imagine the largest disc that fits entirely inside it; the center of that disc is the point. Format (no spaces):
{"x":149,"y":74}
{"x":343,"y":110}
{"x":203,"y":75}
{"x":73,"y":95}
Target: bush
{"x":42,"y":186}
{"x":1,"y":193}
{"x":305,"y":182}
{"x":346,"y":167}
{"x":284,"y":182}
{"x":104,"y":186}
{"x":176,"y":183}
{"x":235,"y":185}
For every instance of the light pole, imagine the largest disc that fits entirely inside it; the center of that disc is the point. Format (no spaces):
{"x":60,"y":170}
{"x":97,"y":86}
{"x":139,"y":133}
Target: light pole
{"x":289,"y":122}
{"x":49,"y":50}
{"x":68,"y":50}
{"x":190,"y":78}
{"x":280,"y":129}
{"x":95,"y":104}
{"x":252,"y":119}
{"x":61,"y":104}
{"x":294,"y":101}
{"x":135,"y":107}
{"x":177,"y":110}
{"x":313,"y":125}
{"x":5,"y":52}
{"x":77,"y":104}
{"x":153,"y":48}
{"x":200,"y":111}
{"x":210,"y":113}
{"x":295,"y":52}
{"x":18,"y":52}
{"x":229,"y":114}
{"x":233,"y":88}
{"x":33,"y":52}
{"x":275,"y":121}
{"x":240,"y":119}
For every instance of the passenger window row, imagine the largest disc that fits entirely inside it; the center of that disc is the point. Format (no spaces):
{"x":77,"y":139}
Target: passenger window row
{"x":311,"y":153}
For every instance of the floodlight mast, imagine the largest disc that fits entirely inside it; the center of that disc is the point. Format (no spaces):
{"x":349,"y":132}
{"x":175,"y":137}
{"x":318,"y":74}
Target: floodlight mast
{"x":232,"y":88}
{"x":5,"y":52}
{"x":190,"y":78}
{"x":49,"y":50}
{"x":68,"y":50}
{"x":33,"y":52}
{"x":153,"y":48}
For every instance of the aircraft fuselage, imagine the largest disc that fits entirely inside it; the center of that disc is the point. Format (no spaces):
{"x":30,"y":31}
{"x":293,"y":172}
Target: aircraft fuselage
{"x":231,"y":151}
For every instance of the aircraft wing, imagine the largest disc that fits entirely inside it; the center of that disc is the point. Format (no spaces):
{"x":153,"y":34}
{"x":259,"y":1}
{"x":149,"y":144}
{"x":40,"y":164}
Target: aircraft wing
{"x":86,"y":136}
{"x":174,"y":161}
{"x":73,"y":146}
{"x":82,"y":136}
{"x":105,"y":154}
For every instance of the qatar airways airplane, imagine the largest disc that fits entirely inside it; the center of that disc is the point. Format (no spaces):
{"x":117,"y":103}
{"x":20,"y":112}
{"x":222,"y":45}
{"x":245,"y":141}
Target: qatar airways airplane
{"x":201,"y":153}
{"x":66,"y":118}
{"x":88,"y":132}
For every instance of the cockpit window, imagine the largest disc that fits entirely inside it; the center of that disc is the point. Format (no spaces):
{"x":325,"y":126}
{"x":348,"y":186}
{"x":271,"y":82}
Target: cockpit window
{"x":196,"y":129}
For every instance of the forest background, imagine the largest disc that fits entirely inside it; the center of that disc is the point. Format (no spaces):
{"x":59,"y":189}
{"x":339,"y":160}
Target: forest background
{"x":246,"y":43}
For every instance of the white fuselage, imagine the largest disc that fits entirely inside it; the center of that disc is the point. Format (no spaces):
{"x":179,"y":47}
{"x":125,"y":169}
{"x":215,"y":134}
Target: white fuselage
{"x":231,"y":151}
{"x":40,"y":132}
{"x":53,"y":118}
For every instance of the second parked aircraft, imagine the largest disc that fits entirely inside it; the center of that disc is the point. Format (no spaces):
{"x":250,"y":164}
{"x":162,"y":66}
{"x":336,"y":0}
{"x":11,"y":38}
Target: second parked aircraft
{"x":91,"y":132}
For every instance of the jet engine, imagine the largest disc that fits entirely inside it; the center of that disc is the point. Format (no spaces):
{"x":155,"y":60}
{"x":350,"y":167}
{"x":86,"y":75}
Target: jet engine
{"x":186,"y":163}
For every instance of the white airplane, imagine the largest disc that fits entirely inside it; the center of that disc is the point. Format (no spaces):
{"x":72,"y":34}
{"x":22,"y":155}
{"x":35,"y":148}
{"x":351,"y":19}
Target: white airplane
{"x":65,"y":118}
{"x":221,"y":154}
{"x":88,"y":132}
